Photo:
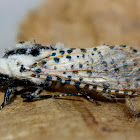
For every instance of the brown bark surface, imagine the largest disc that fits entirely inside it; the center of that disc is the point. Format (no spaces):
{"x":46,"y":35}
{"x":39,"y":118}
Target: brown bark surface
{"x":76,"y":23}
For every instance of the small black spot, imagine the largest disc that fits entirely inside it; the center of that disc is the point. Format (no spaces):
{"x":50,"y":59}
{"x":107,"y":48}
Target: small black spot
{"x":77,"y":84}
{"x":53,"y":54}
{"x":62,"y":52}
{"x":69,"y":77}
{"x":64,"y":72}
{"x":116,"y":69}
{"x":80,"y":65}
{"x":22,"y":69}
{"x":38,"y":76}
{"x":33,"y":75}
{"x":83,"y":55}
{"x":89,"y":72}
{"x":83,"y":50}
{"x":56,"y":60}
{"x":67,"y":81}
{"x":35,"y":52}
{"x":69,"y":51}
{"x":21,"y":42}
{"x":125,"y":92}
{"x":72,"y":66}
{"x":80,"y":79}
{"x":35,"y":64}
{"x":116,"y":91}
{"x":44,"y":62}
{"x":86,"y":86}
{"x":111,"y":47}
{"x":95,"y":49}
{"x":105,"y":70}
{"x":94,"y":87}
{"x":68,"y":57}
{"x":18,"y":63}
{"x":123,"y":46}
{"x":38,"y":70}
{"x":92,"y":53}
{"x":77,"y":56}
{"x":104,"y":90}
{"x":75,"y":72}
{"x":99,"y":52}
{"x":49,"y":78}
{"x":59,"y":79}
{"x":135,"y":51}
{"x":109,"y":91}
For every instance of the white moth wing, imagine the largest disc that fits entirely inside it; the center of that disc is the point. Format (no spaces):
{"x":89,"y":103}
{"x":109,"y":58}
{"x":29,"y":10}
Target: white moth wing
{"x":114,"y":67}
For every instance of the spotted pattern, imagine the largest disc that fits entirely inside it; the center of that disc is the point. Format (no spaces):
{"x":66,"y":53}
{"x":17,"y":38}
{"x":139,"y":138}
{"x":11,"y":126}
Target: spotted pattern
{"x":33,"y":51}
{"x":38,"y":70}
{"x":103,"y":68}
{"x":44,"y":62}
{"x":53,"y":54}
{"x":56,"y":60}
{"x":62,"y":52}
{"x":68,"y":57}
{"x":69,"y":51}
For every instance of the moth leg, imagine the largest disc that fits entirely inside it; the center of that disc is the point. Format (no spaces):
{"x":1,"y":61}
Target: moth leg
{"x":37,"y":91}
{"x":31,"y":96}
{"x":90,"y":99}
{"x":111,"y":97}
{"x":84,"y":94}
{"x":6,"y":96}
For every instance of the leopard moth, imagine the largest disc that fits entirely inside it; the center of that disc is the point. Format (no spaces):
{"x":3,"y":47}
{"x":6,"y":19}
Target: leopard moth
{"x":109,"y":70}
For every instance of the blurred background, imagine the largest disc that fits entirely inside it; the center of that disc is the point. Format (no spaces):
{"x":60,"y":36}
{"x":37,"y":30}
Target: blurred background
{"x":11,"y":14}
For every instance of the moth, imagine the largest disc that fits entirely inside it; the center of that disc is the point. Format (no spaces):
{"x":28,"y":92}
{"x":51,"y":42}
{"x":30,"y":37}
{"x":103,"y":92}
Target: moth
{"x":108,"y":70}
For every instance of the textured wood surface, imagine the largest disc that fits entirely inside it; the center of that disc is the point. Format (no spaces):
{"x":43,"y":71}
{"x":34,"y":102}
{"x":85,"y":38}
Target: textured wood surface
{"x":77,"y":23}
{"x":68,"y":118}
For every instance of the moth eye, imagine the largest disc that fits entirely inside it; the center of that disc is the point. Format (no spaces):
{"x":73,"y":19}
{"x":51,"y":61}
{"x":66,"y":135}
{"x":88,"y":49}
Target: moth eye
{"x":35,"y":52}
